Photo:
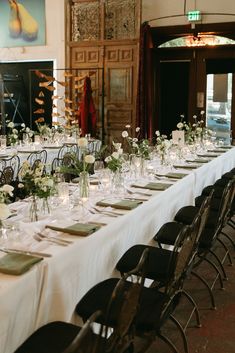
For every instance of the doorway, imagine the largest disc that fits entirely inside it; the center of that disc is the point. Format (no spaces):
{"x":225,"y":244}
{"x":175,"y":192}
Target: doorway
{"x":174,"y":83}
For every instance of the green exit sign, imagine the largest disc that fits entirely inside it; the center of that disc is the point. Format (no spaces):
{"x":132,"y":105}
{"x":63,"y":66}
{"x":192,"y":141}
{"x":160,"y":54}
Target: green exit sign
{"x":194,"y":16}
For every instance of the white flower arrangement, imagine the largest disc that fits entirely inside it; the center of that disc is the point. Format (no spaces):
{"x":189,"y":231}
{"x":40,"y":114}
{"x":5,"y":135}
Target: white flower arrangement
{"x":82,"y":142}
{"x":5,"y":191}
{"x":13,"y":135}
{"x":135,"y":145}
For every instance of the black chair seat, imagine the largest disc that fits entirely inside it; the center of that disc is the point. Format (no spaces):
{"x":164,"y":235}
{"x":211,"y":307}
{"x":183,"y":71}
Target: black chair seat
{"x":156,"y":266}
{"x":186,"y":214}
{"x":168,"y":233}
{"x":97,"y":298}
{"x":151,"y":305}
{"x":54,"y":337}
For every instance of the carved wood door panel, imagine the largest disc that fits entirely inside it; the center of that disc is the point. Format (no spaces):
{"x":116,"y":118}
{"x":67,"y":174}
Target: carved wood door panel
{"x":120,"y":85}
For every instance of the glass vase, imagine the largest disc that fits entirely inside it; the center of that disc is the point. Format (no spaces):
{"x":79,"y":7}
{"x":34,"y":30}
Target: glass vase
{"x":45,"y":207}
{"x":117,"y":180}
{"x":84,"y":185}
{"x":33,"y":209}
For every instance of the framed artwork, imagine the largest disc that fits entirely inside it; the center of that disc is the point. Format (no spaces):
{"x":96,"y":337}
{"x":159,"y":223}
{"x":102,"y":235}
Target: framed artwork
{"x":22,"y":23}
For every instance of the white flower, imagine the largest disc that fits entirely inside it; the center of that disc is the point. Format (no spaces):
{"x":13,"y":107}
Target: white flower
{"x":120,"y":151}
{"x":137,"y":129}
{"x":127,"y":126}
{"x":15,"y":136}
{"x":11,"y":125}
{"x":23,"y":125}
{"x":27,"y":130}
{"x":194,"y":116}
{"x":134,"y":145}
{"x":15,"y":131}
{"x":89,"y":159}
{"x":7,"y":189}
{"x":135,"y":139}
{"x":4,"y":211}
{"x":180,"y":125}
{"x":182,"y":116}
{"x":157,"y":133}
{"x":108,"y":159}
{"x":124,"y":134}
{"x":20,"y":186}
{"x":202,"y":112}
{"x":82,"y":142}
{"x":115,"y":155}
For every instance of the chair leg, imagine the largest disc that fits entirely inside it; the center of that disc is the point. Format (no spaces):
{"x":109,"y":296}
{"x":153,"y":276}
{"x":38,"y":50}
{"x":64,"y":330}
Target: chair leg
{"x":229,"y":238}
{"x":168,"y":342}
{"x":195,"y":309}
{"x":227,"y":253}
{"x":182,"y":332}
{"x":217,"y":271}
{"x":220,"y":264}
{"x":195,"y":274}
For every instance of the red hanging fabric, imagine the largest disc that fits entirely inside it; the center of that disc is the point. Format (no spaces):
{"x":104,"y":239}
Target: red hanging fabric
{"x":87,"y":116}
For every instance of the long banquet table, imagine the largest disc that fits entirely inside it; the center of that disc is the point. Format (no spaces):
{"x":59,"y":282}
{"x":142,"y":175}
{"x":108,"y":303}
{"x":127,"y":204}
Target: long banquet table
{"x":51,"y":289}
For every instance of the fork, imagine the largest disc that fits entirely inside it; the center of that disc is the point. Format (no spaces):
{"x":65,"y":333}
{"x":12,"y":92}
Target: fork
{"x":39,"y":238}
{"x":107,"y":213}
{"x":54,"y":238}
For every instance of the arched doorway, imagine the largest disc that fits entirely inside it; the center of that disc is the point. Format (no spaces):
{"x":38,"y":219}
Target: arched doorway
{"x":195,"y":76}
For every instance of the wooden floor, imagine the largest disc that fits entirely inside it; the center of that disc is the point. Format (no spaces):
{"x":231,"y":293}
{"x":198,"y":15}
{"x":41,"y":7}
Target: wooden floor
{"x":217,"y":334}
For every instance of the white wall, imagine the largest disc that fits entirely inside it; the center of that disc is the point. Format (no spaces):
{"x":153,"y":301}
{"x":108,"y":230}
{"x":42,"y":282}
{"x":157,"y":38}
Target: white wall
{"x":54,"y":48}
{"x":159,"y":8}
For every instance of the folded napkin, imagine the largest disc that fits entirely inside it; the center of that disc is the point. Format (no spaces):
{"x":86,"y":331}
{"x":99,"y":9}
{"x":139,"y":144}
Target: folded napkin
{"x":16,"y":264}
{"x":153,"y":186}
{"x":81,"y":229}
{"x":218,"y":150}
{"x":186,"y":166}
{"x":226,"y":147}
{"x":176,"y":175}
{"x":211,"y":155}
{"x":200,"y":160}
{"x":123,"y":204}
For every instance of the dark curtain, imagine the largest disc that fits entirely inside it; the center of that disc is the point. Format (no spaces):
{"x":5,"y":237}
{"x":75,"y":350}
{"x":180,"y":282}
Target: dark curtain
{"x":87,"y":116}
{"x":144,"y":109}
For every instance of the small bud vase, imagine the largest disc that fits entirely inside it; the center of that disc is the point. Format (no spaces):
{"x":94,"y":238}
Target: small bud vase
{"x":84,"y":185}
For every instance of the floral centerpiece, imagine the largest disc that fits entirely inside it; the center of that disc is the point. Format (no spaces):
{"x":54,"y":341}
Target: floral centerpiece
{"x":37,"y":184}
{"x":86,"y":162}
{"x":13,"y":134}
{"x":27,"y":131}
{"x":6,"y":191}
{"x":162,"y":146}
{"x":136,"y":146}
{"x":195,"y":131}
{"x":43,"y":129}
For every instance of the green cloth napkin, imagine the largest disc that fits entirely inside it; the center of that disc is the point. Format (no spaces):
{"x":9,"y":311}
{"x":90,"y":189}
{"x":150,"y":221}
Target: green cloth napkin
{"x":200,"y":160}
{"x":80,"y":229}
{"x":123,"y":204}
{"x":186,"y":166}
{"x":218,"y":150}
{"x":176,"y":175}
{"x":153,"y":186}
{"x":227,"y":147}
{"x":209,"y":155}
{"x":16,"y":264}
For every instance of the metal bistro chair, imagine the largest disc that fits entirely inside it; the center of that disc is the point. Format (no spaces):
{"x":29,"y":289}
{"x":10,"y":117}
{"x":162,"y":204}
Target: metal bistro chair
{"x":10,"y":168}
{"x":37,"y":157}
{"x":63,"y":337}
{"x":68,"y":149}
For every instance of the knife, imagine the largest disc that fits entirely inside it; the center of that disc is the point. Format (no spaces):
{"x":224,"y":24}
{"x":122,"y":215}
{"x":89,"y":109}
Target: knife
{"x":25,"y":252}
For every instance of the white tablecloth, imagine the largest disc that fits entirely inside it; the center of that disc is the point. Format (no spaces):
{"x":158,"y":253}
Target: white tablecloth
{"x":51,"y":289}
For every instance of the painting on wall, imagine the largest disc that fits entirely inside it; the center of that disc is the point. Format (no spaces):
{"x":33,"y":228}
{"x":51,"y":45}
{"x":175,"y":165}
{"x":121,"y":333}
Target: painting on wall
{"x":22,"y":23}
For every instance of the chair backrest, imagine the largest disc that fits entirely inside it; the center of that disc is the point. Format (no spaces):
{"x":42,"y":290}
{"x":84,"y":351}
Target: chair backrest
{"x":87,"y":341}
{"x":68,"y":149}
{"x":13,"y":162}
{"x":7,"y":176}
{"x":124,"y":304}
{"x":56,"y":164}
{"x":37,"y":157}
{"x":226,"y":204}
